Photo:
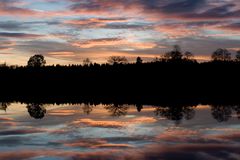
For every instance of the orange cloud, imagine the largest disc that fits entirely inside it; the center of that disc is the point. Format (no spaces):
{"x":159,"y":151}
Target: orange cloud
{"x":234,"y":49}
{"x":6,"y":119}
{"x":114,"y":124}
{"x":114,"y":42}
{"x":104,"y":124}
{"x":62,"y":112}
{"x":61,"y":54}
{"x":95,"y":143}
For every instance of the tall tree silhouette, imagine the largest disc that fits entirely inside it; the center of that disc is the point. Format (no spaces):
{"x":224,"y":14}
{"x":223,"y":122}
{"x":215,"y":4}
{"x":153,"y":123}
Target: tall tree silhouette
{"x":174,"y":55}
{"x":87,"y":62}
{"x":117,"y":60}
{"x":221,"y":55}
{"x":188,"y":56}
{"x":36,"y":61}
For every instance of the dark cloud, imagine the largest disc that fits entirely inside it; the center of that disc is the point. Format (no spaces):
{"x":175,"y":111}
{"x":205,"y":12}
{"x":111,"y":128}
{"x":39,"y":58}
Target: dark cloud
{"x":180,"y":6}
{"x":231,"y":27}
{"x":14,"y":141}
{"x":20,"y":132}
{"x":17,"y":26}
{"x":19,"y":35}
{"x":12,"y":25}
{"x":185,"y":9}
{"x":150,"y":152}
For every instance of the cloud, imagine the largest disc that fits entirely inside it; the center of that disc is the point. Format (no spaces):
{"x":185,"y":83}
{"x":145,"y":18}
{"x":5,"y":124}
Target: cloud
{"x":94,"y":22}
{"x":113,"y":42}
{"x":166,"y":152}
{"x":12,"y":25}
{"x":233,"y":27}
{"x":61,"y":54}
{"x":98,"y":42}
{"x":234,"y":49}
{"x":174,"y":31}
{"x":103,"y":124}
{"x":114,"y":124}
{"x":19,"y":35}
{"x":21,"y":132}
{"x":6,"y":119}
{"x":7,"y":45}
{"x":25,"y":25}
{"x":232,"y":137}
{"x":95,"y":143}
{"x":183,"y":9}
{"x":10,"y":8}
{"x":62,"y":112}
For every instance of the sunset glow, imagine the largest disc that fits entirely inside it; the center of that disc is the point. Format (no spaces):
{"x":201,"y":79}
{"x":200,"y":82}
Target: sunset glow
{"x":68,"y":31}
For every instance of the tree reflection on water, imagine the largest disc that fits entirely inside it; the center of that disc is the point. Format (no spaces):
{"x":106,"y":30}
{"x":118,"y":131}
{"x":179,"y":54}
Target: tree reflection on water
{"x":176,"y":113}
{"x":223,"y":113}
{"x":36,"y":111}
{"x":117,"y":110}
{"x":4,"y":105}
{"x":173,"y":112}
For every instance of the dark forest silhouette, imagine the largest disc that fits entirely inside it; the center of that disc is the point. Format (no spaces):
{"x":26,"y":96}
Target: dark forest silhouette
{"x":176,"y":76}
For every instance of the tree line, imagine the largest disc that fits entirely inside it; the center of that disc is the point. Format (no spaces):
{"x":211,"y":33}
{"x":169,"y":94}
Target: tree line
{"x":172,"y":75}
{"x":176,"y":55}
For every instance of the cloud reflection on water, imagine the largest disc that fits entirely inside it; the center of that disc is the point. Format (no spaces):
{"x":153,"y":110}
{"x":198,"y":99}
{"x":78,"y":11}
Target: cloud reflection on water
{"x":70,"y":132}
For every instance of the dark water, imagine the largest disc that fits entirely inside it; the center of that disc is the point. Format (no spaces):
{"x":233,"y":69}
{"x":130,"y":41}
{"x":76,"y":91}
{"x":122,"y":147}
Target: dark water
{"x":122,"y":132}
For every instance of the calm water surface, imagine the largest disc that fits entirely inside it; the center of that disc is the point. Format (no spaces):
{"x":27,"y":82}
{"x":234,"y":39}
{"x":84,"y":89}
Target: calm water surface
{"x":122,"y":132}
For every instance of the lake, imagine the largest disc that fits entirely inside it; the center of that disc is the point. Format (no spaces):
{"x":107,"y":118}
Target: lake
{"x":122,"y":132}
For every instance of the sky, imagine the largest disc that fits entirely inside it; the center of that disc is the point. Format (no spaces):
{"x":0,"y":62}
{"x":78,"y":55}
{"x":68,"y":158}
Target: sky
{"x":68,"y":31}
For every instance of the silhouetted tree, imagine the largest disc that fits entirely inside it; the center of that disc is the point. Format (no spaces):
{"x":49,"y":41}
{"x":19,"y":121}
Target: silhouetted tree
{"x":221,"y":55}
{"x":221,"y":113}
{"x":156,"y":59}
{"x":139,"y":60}
{"x":188,"y":56}
{"x":87,"y":62}
{"x":3,"y":65}
{"x":117,"y":60}
{"x":117,"y":110}
{"x":174,"y":55}
{"x":238,"y":56}
{"x":36,"y":61}
{"x":167,"y":56}
{"x":36,"y":111}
